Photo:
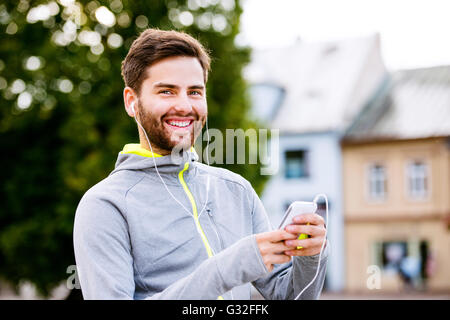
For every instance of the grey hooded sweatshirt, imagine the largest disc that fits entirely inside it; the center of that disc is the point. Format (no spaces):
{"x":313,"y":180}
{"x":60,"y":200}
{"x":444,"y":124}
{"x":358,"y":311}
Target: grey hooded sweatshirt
{"x":135,"y":240}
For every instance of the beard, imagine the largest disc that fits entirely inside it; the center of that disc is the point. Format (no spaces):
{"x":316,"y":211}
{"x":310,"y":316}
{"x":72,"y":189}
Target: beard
{"x":161,"y":137}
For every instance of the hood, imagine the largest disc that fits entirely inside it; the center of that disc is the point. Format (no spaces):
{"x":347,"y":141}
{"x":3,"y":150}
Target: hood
{"x":134,"y":157}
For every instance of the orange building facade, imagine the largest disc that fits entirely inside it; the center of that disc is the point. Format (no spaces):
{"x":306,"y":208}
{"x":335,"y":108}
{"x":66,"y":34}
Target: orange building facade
{"x":397,"y":214}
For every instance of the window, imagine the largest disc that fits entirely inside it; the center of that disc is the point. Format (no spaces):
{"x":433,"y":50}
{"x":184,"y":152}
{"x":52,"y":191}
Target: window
{"x":265,"y":100}
{"x":392,"y":254}
{"x":408,"y":260}
{"x":417,"y":180}
{"x":296,"y":164}
{"x":377,"y":182}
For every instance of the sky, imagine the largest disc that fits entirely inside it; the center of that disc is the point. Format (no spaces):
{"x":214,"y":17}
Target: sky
{"x":414,"y":33}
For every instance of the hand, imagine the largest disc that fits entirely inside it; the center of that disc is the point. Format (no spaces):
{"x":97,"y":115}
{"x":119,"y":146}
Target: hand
{"x":316,"y":230}
{"x":271,"y":245}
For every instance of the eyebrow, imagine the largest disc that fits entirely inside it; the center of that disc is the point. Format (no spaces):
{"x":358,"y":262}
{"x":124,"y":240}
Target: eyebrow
{"x":173,"y":86}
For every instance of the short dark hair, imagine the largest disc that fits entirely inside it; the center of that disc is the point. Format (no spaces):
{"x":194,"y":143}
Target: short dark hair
{"x":153,"y":45}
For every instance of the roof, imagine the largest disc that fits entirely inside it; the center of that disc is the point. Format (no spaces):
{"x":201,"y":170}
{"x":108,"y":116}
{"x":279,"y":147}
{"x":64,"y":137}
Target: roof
{"x":325,"y":84}
{"x":413,"y":104}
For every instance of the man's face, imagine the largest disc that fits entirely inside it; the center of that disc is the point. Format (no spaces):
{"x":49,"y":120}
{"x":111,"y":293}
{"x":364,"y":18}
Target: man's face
{"x":172,"y":103}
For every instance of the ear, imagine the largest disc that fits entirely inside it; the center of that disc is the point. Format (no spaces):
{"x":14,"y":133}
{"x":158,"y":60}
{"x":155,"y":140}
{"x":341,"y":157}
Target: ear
{"x":129,"y":98}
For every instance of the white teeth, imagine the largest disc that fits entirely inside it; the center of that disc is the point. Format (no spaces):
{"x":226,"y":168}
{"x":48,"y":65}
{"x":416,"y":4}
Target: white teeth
{"x":180,"y":124}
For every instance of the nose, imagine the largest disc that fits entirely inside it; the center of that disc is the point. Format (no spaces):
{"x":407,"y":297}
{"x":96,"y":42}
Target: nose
{"x":183,"y":104}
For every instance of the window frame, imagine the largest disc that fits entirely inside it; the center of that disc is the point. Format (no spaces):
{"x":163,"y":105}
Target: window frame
{"x":368,"y":183}
{"x":408,"y":192}
{"x":276,"y":103}
{"x":306,"y":168}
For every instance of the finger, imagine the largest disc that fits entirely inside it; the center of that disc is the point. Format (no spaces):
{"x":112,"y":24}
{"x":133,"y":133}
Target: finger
{"x":279,"y":235}
{"x":279,"y":258}
{"x":311,"y":218}
{"x":305,"y":243}
{"x":304,"y":251}
{"x":273,"y":236}
{"x":311,"y":230}
{"x":278,"y":247}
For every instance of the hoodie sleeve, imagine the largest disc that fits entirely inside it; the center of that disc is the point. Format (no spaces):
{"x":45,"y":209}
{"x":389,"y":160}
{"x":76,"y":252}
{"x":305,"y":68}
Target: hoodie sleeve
{"x":286,"y":281}
{"x":105,"y":263}
{"x":102,"y":250}
{"x":219,"y":274}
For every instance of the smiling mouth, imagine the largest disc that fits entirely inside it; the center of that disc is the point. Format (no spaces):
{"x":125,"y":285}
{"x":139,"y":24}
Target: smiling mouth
{"x":179,"y":124}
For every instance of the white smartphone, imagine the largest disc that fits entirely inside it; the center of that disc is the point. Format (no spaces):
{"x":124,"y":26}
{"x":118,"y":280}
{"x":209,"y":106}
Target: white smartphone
{"x":296,"y":208}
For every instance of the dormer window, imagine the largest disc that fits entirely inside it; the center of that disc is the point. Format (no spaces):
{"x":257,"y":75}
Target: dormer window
{"x":266,"y":98}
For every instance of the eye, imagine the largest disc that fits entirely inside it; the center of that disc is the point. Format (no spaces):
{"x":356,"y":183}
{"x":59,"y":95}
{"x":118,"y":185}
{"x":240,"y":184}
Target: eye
{"x":196,"y":93}
{"x":165,"y":92}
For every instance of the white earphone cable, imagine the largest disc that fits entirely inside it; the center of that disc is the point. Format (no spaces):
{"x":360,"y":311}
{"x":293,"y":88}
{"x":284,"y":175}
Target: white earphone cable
{"x":162,"y":180}
{"x":321,"y":249}
{"x":159,"y":175}
{"x":156,"y":168}
{"x":207,"y":195}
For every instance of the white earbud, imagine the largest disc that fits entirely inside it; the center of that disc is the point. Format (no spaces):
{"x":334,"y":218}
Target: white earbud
{"x":132,"y":108}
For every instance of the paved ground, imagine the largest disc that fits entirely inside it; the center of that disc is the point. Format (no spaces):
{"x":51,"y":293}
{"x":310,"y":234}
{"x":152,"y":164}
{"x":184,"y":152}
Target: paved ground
{"x":385,"y":296}
{"x":28,"y":292}
{"x":376,"y":296}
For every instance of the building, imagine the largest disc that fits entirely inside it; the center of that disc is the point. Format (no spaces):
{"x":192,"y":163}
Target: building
{"x":312,"y":92}
{"x":396,"y":158}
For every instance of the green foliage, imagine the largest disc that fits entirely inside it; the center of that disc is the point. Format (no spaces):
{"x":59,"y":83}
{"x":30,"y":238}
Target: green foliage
{"x":62,"y":120}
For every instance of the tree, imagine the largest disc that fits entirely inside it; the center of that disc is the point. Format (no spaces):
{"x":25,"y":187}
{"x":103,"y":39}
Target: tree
{"x":62,"y":120}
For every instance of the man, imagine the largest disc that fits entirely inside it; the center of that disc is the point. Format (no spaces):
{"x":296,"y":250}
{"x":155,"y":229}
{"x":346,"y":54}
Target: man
{"x":157,"y":228}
